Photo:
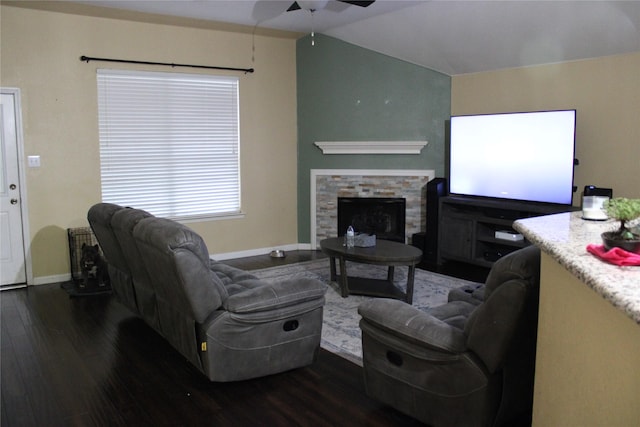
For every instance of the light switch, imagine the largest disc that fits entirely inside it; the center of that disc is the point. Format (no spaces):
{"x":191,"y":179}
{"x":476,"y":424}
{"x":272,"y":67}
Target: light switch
{"x":34,"y":161}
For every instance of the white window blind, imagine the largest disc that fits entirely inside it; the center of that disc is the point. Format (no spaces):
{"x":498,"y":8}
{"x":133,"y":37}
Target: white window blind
{"x":169,"y":142}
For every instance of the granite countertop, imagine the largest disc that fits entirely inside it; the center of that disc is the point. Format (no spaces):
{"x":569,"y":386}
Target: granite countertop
{"x":565,"y":237}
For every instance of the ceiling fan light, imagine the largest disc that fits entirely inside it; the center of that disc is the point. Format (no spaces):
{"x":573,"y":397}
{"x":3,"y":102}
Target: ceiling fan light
{"x":312,"y":4}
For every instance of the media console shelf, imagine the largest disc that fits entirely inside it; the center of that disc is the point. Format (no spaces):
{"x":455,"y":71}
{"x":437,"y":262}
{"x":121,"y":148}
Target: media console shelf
{"x":467,"y":227}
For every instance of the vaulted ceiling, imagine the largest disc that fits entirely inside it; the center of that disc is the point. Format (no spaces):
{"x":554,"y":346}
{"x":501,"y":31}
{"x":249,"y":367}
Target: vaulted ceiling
{"x":450,"y":36}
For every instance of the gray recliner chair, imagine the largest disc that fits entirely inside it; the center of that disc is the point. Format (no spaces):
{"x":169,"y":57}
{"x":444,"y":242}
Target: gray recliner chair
{"x":230,"y":325}
{"x":462,"y":363}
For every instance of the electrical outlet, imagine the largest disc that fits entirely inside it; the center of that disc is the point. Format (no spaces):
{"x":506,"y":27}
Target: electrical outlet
{"x":34,"y":161}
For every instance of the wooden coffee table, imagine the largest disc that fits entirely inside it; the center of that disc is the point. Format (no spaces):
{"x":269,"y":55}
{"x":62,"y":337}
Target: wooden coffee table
{"x":385,"y":252}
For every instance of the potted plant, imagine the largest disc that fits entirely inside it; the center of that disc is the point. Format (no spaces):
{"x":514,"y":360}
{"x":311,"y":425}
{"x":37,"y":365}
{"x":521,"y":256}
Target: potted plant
{"x":625,"y":237}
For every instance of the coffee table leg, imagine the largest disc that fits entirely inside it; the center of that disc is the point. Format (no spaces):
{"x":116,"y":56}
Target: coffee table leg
{"x":332,"y":268}
{"x":344,"y":285}
{"x":410,"y":276}
{"x":390,"y":274}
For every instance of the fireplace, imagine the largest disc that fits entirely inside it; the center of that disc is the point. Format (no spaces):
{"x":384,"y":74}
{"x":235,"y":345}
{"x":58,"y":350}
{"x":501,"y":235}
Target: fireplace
{"x":328,"y":184}
{"x":382,"y":216}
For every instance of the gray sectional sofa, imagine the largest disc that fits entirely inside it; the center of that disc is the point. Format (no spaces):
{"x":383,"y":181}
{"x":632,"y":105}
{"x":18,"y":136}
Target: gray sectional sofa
{"x":226,"y":322}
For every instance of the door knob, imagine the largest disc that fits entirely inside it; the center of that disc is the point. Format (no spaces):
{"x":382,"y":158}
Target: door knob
{"x":14,"y":201}
{"x":12,"y":187}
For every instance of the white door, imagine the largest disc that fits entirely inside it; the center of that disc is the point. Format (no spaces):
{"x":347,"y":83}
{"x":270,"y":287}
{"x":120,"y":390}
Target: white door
{"x":12,"y":254}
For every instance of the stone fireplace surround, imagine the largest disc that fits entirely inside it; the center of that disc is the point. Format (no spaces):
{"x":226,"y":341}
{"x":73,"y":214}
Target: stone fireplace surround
{"x":329,"y":184}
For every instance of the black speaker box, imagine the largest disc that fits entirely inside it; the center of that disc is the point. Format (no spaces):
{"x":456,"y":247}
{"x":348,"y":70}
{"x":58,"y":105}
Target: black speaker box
{"x":436,"y":188}
{"x":417,"y":240}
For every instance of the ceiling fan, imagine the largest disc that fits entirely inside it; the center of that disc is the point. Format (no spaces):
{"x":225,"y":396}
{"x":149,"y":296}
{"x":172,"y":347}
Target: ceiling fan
{"x":314,"y":5}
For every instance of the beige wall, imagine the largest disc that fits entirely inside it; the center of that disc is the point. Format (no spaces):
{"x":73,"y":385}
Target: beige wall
{"x":40,"y":53}
{"x":606,"y":94}
{"x":587,"y":371}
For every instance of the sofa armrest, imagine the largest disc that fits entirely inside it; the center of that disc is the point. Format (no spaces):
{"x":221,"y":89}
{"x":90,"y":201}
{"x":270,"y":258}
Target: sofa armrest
{"x":273,"y":296}
{"x":409,"y":323}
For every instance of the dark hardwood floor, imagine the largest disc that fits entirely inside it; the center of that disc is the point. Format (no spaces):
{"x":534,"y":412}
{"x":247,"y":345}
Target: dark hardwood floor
{"x":87,"y":361}
{"x":265,"y":261}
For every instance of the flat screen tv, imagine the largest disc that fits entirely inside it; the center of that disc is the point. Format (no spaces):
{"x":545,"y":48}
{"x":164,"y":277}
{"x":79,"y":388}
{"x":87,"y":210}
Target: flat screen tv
{"x":517,"y":156}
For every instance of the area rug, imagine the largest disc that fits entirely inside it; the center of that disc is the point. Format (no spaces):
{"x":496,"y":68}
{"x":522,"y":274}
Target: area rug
{"x":340,"y":330}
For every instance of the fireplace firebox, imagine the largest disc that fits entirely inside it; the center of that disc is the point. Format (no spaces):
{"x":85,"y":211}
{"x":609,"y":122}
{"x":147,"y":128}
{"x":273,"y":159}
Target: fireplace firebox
{"x":382,"y":216}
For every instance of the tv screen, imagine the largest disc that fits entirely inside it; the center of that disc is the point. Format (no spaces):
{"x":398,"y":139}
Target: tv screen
{"x":518,"y":156}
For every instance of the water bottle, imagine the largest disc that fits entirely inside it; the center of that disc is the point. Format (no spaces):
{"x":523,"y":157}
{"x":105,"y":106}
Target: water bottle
{"x":351,"y":237}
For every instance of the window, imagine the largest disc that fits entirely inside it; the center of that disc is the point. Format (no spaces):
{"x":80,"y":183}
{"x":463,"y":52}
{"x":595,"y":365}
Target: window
{"x":169,"y":142}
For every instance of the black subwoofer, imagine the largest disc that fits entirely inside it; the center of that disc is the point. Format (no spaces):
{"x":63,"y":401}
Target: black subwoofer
{"x":436,"y":188}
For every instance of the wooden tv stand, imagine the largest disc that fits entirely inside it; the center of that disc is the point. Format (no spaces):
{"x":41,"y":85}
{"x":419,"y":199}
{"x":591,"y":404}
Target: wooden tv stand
{"x":467,"y":226}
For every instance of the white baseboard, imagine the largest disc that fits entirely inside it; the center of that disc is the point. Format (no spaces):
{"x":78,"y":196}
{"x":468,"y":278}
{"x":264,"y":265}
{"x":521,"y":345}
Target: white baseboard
{"x":47,"y":280}
{"x":59,"y":278}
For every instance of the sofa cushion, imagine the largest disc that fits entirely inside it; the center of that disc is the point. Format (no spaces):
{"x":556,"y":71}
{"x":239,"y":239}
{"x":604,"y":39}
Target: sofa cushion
{"x":492,"y":326}
{"x":454,"y":313}
{"x":177,"y":260}
{"x":234,"y":279}
{"x":260,"y":296}
{"x":523,"y":264}
{"x":472,"y":293}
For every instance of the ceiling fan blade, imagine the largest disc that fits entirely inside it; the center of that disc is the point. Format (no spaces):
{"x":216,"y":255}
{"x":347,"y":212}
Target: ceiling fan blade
{"x":296,"y":6}
{"x":358,"y":3}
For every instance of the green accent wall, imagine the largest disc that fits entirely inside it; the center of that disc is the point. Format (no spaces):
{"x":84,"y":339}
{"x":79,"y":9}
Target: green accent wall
{"x":348,"y":93}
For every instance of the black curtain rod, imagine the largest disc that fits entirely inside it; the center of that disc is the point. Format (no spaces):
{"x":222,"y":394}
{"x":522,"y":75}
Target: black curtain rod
{"x":168,"y":64}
